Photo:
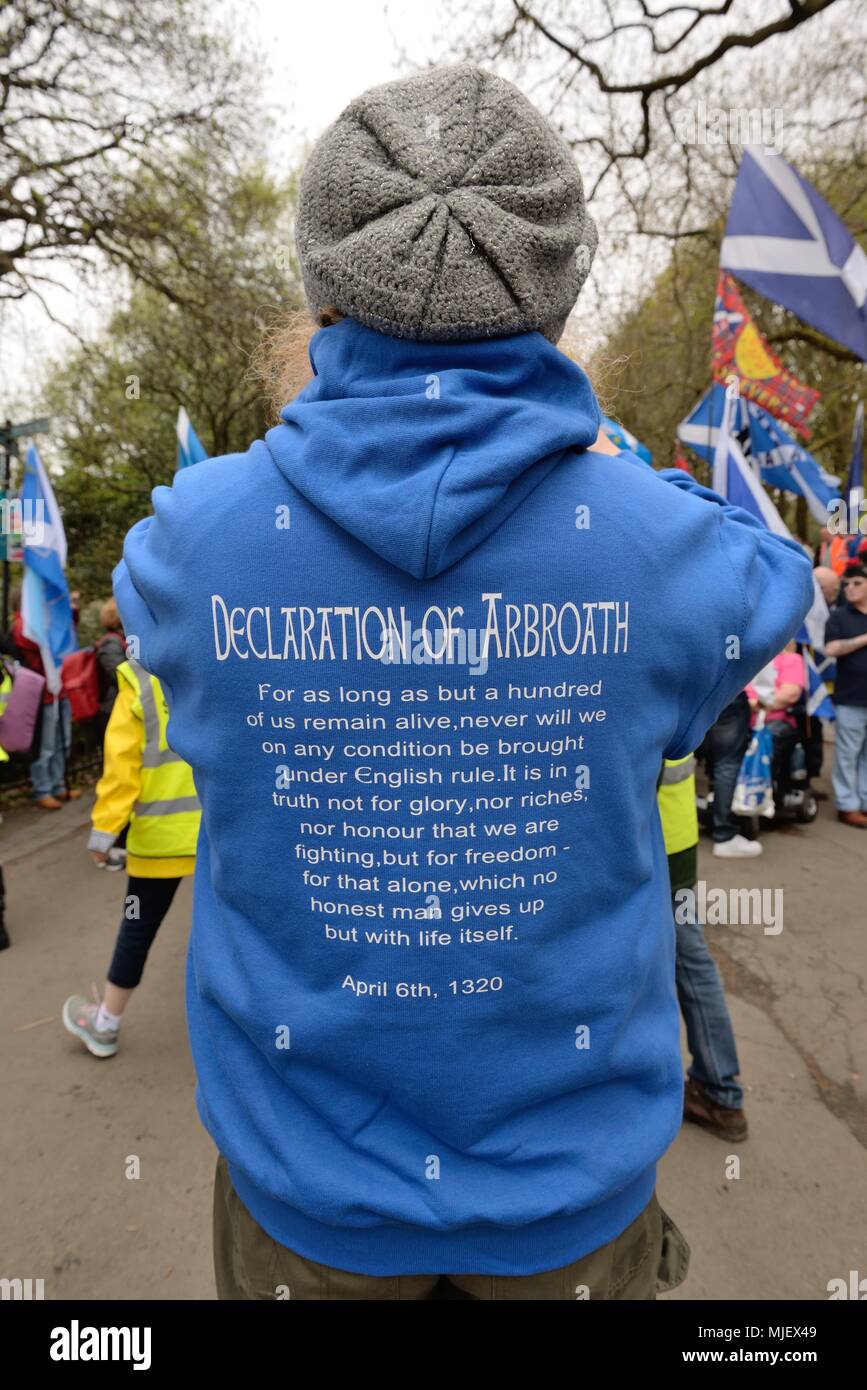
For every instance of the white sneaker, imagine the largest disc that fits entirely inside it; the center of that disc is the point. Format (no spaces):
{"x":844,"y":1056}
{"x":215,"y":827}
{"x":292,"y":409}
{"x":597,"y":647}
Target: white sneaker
{"x":737,"y":848}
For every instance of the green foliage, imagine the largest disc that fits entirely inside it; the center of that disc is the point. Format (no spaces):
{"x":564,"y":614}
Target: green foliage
{"x":223,"y":264}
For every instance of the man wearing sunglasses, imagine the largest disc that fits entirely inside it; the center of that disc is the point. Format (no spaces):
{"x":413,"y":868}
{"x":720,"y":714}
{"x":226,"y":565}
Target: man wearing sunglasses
{"x":846,"y":642}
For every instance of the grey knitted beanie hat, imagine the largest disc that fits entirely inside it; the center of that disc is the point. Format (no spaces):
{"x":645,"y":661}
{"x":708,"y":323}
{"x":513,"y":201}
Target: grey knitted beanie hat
{"x":444,"y":206}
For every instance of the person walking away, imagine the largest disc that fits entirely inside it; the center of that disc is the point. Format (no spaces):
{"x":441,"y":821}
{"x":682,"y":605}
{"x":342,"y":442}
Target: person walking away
{"x":422,"y":676}
{"x":846,"y":642}
{"x":145,"y":784}
{"x":713,"y":1095}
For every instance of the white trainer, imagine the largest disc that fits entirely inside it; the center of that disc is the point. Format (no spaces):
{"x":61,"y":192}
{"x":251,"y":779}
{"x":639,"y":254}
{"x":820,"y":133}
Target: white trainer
{"x":738,"y":847}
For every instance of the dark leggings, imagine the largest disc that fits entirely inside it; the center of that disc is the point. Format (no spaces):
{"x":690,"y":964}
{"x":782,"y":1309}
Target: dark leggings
{"x":784,"y":739}
{"x":146,"y":904}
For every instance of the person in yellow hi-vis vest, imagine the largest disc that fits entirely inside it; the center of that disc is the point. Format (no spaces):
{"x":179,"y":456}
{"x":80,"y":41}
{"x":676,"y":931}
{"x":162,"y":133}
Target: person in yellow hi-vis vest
{"x":5,"y":691}
{"x":713,"y":1097}
{"x":144,"y":783}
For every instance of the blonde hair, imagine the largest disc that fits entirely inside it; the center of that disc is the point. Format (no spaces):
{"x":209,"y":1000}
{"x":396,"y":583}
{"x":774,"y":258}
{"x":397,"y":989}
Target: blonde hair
{"x":109,"y":616}
{"x":280,"y":362}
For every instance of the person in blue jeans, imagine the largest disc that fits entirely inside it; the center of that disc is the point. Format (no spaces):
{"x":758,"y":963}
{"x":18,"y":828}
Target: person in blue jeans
{"x":725,"y":745}
{"x":713,"y":1096}
{"x":48,"y":770}
{"x":846,"y":642}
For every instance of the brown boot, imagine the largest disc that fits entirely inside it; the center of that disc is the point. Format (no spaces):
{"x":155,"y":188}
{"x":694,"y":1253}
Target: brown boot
{"x":720,"y":1120}
{"x":70,"y":795}
{"x":856,"y":818}
{"x":48,"y":803}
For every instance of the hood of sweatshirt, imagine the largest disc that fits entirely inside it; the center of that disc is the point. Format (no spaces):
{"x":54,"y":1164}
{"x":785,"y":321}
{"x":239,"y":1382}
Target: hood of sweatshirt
{"x":421,"y":450}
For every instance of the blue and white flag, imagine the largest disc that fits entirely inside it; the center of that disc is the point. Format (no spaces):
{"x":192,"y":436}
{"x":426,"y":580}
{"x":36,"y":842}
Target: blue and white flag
{"x":735,"y":479}
{"x":46,"y":606}
{"x":190,"y":447}
{"x":820,"y":668}
{"x":624,"y":439}
{"x":784,"y":240}
{"x":700,"y":429}
{"x":784,"y":463}
{"x":855,"y":482}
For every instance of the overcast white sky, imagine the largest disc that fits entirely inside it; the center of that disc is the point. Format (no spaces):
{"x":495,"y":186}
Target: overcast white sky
{"x":322,"y":53}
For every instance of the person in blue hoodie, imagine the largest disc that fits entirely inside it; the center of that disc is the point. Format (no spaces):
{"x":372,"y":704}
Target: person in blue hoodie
{"x":425,"y":647}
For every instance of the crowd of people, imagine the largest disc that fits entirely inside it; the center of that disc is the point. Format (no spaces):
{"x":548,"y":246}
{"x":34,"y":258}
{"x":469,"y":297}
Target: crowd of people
{"x":781,"y":695}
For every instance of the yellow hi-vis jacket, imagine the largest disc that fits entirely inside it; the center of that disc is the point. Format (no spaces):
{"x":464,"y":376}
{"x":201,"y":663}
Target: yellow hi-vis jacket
{"x":146,"y":783}
{"x":5,"y":692}
{"x":677,"y":809}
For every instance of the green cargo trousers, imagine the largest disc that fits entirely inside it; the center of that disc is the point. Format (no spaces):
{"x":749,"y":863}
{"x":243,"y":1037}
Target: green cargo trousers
{"x":649,"y":1257}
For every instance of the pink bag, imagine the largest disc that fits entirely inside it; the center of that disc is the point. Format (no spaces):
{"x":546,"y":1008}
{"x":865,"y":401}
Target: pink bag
{"x":18,"y":720}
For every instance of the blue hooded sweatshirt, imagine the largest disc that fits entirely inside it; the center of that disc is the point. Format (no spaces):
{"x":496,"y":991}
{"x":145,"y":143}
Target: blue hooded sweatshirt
{"x":426,"y":651}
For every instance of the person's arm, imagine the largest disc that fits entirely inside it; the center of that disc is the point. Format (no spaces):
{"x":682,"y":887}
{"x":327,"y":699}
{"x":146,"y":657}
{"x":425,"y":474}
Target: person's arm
{"x":836,"y":645}
{"x":790,"y":683}
{"x":844,"y":646}
{"x":762,"y":591}
{"x":787,"y":694}
{"x":118,"y":787}
{"x":149,"y":583}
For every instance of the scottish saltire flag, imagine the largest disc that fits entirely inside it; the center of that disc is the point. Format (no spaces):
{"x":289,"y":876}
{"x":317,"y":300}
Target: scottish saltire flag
{"x":34,"y":616}
{"x":738,"y":348}
{"x":784,"y":241}
{"x":786,"y":464}
{"x":190,"y":447}
{"x":623,"y":439}
{"x":820,"y":670}
{"x":700,"y":429}
{"x":735,"y":479}
{"x":855,"y":482}
{"x":46,"y":606}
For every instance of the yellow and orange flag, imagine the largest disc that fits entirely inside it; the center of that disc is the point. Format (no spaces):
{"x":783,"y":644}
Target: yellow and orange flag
{"x":738,"y":349}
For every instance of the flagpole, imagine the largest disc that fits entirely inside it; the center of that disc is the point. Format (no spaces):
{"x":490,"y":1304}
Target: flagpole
{"x":855,"y":480}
